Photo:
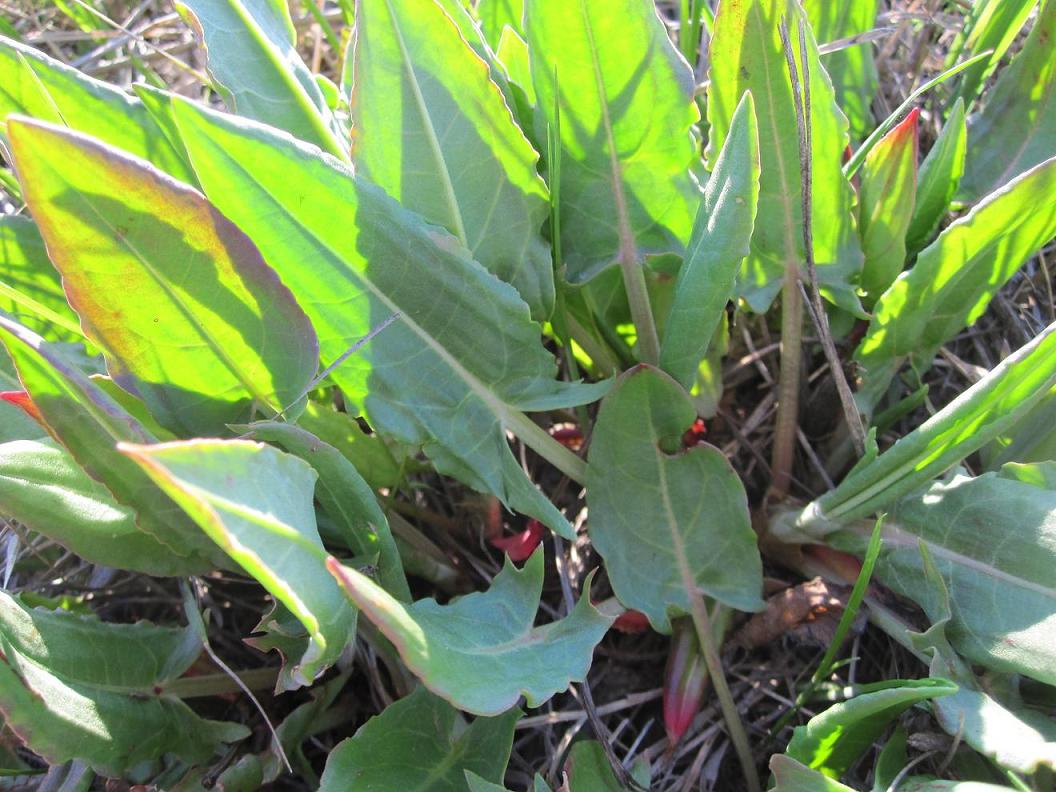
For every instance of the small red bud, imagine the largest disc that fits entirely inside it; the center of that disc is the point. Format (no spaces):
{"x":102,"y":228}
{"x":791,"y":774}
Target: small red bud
{"x":631,"y":621}
{"x":685,"y":679}
{"x":519,"y":547}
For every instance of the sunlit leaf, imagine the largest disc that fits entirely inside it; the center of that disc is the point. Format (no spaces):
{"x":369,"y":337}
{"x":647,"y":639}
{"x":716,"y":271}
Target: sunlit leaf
{"x":253,"y":56}
{"x":717,"y":248}
{"x":747,"y":55}
{"x":589,"y":770}
{"x":494,"y":15}
{"x":435,"y":133}
{"x":464,"y":358}
{"x":792,"y":776}
{"x":180,"y":301}
{"x":256,"y":503}
{"x":627,"y":115}
{"x":481,"y":652}
{"x":662,"y":515}
{"x":421,"y":743}
{"x":940,"y":176}
{"x":35,"y":85}
{"x":955,"y":278}
{"x":76,"y":688}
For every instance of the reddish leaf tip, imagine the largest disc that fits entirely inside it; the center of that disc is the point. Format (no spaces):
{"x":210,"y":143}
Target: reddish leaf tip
{"x":520,"y":547}
{"x":21,"y":399}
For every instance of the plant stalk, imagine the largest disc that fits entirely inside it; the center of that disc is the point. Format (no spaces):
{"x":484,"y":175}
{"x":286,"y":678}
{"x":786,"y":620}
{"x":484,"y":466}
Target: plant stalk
{"x":788,"y":385}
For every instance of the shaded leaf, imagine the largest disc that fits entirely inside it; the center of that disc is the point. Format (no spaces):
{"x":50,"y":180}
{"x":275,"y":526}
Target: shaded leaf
{"x":955,"y":278}
{"x":481,"y":652}
{"x":44,"y":489}
{"x":1017,"y":128}
{"x":346,"y":498}
{"x":627,"y":121}
{"x":187,"y":312}
{"x":253,"y":56}
{"x":833,"y":740}
{"x":888,"y":194}
{"x":76,"y":688}
{"x":368,"y":452}
{"x":35,"y":85}
{"x":464,"y":358}
{"x":89,"y":423}
{"x":747,"y":55}
{"x":940,"y":176}
{"x":589,"y":770}
{"x":717,"y":248}
{"x":421,"y":744}
{"x":435,"y":133}
{"x":852,"y":70}
{"x":661,"y":514}
{"x":257,"y":504}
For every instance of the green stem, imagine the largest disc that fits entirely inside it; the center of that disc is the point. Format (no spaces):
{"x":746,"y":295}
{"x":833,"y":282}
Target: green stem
{"x":788,"y":384}
{"x":641,"y":309}
{"x":324,"y":23}
{"x":218,"y":684}
{"x":547,"y":447}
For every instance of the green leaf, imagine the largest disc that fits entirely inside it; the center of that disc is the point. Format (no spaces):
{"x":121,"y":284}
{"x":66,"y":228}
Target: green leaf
{"x":478,"y":784}
{"x":888,"y":194}
{"x":833,"y":740}
{"x":994,"y":26}
{"x":368,"y":452}
{"x":939,"y":178}
{"x":1017,"y":128}
{"x":1031,"y":439}
{"x":925,"y":784}
{"x":747,"y":55}
{"x":89,"y":423}
{"x":662,"y":515}
{"x":893,"y":757}
{"x":481,"y":652}
{"x":44,"y":489}
{"x":955,"y":278}
{"x":494,"y":15}
{"x":256,"y":503}
{"x":346,"y":498}
{"x":435,"y":133}
{"x":35,"y":85}
{"x":76,"y":688}
{"x":983,"y":412}
{"x":452,"y":380}
{"x":717,"y":248}
{"x":253,"y":56}
{"x":627,"y":120}
{"x":189,"y":315}
{"x":421,"y":744}
{"x":589,"y":770}
{"x":792,"y":776}
{"x":1010,"y":735}
{"x":30,"y":288}
{"x":993,"y":540}
{"x":852,"y":70}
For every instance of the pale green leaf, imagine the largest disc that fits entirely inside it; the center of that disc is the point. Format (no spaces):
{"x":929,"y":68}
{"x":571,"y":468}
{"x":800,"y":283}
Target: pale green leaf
{"x":718,"y":246}
{"x":368,"y":452}
{"x":663,"y":516}
{"x":853,"y":69}
{"x":421,"y":744}
{"x":76,"y":688}
{"x":589,"y":770}
{"x":955,"y":278}
{"x":888,"y":195}
{"x":993,"y":540}
{"x":924,"y":784}
{"x":253,"y":56}
{"x":188,"y":314}
{"x":1017,"y":128}
{"x":940,"y":176}
{"x":833,"y":740}
{"x":345,"y":497}
{"x":1031,"y":439}
{"x":30,"y":288}
{"x":747,"y":55}
{"x":256,"y":503}
{"x":494,"y":15}
{"x":978,"y":415}
{"x":481,"y":652}
{"x":89,"y":423}
{"x":434,"y":132}
{"x":453,"y":373}
{"x":44,"y":489}
{"x":791,"y":776}
{"x":35,"y":85}
{"x":627,"y":117}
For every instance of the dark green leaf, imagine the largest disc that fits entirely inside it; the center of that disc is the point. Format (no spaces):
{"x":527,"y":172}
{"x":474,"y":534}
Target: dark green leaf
{"x":940,"y":176}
